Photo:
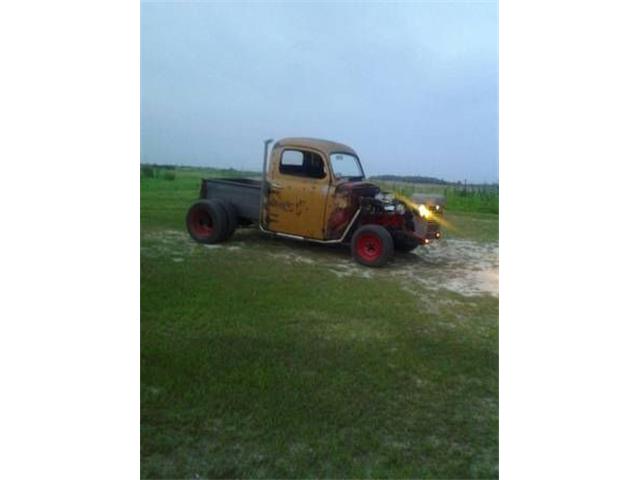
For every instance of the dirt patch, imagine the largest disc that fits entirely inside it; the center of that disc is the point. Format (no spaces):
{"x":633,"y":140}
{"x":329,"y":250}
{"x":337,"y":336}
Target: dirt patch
{"x":465,"y":267}
{"x":177,"y":244}
{"x":462,"y":266}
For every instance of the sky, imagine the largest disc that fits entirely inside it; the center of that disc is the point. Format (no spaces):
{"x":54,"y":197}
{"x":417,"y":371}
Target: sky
{"x":412,"y":87}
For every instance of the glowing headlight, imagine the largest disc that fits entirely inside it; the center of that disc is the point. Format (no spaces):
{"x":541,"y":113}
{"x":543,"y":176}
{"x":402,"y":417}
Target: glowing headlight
{"x":424,"y":211}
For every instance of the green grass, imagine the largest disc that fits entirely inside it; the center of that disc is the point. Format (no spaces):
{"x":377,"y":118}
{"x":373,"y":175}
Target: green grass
{"x":255,"y":367}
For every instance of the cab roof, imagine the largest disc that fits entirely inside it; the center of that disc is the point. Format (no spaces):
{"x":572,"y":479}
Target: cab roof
{"x":326,"y":146}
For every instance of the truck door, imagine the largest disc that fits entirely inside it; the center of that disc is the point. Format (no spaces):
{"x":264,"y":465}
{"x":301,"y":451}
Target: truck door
{"x":297,"y":192}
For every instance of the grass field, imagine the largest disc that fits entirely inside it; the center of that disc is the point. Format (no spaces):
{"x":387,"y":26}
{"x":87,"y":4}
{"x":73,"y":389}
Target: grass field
{"x":269,"y":358}
{"x":473,"y":199}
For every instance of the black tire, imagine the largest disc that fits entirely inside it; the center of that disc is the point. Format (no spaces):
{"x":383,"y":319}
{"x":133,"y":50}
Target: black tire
{"x":232,"y":218}
{"x":207,"y":221}
{"x":405,"y":244}
{"x":372,"y":245}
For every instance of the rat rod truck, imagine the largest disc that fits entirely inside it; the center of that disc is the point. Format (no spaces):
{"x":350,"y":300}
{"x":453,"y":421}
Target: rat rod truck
{"x":314,"y":190}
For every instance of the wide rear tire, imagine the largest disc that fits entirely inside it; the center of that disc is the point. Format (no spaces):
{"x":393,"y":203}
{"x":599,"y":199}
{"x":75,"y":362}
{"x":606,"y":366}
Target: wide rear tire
{"x":207,"y":221}
{"x":372,"y":245}
{"x":232,"y":218}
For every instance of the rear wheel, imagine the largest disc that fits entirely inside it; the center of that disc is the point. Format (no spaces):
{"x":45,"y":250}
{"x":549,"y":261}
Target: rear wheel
{"x":372,"y":245}
{"x":232,"y":218}
{"x":207,"y":221}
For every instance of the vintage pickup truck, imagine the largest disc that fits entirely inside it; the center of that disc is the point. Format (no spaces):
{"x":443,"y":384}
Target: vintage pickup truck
{"x":315,"y":190}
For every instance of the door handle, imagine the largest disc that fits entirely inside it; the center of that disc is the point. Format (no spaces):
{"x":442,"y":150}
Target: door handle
{"x":276,"y":186}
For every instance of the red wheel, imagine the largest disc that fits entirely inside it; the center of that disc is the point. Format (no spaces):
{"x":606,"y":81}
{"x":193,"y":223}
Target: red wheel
{"x":207,"y":222}
{"x":369,"y":247}
{"x":372,"y":245}
{"x":201,"y":222}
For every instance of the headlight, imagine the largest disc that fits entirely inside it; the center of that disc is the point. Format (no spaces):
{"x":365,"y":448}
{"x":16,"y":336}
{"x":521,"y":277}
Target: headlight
{"x":424,"y":212}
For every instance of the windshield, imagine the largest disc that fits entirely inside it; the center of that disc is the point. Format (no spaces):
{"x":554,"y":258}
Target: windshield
{"x":345,"y":165}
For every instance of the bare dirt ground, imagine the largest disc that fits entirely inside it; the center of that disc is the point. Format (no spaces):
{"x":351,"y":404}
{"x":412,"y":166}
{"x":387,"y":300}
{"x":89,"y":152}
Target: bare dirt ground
{"x":465,"y":267}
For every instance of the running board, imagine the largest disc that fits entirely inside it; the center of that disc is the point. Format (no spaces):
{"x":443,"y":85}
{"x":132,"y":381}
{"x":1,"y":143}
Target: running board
{"x":306,"y":239}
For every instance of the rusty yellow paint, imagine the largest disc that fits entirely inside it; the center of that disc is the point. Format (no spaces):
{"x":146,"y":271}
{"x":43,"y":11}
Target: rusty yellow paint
{"x":339,"y":211}
{"x":295,"y":204}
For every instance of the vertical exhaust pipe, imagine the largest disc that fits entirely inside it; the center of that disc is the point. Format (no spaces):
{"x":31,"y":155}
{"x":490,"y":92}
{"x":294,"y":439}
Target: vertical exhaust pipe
{"x":264,"y":177}
{"x":264,"y":161}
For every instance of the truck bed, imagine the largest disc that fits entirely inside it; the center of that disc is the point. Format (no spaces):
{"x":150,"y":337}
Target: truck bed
{"x":242,"y":193}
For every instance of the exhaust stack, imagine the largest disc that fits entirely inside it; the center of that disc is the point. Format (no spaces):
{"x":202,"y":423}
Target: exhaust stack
{"x":264,"y":178}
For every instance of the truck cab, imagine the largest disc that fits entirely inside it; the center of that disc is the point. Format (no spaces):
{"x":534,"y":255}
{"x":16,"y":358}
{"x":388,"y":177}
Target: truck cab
{"x":304,"y":184}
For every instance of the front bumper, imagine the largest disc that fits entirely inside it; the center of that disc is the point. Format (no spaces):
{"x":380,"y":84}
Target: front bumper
{"x":426,"y":230}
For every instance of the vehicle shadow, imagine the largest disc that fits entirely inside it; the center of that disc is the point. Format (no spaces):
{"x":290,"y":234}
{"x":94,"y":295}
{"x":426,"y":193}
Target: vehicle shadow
{"x":251,"y":237}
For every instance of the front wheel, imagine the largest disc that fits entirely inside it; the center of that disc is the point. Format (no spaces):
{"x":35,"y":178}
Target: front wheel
{"x":372,"y":245}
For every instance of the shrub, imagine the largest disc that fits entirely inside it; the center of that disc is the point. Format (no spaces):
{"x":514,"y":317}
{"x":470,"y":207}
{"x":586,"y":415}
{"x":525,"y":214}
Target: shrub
{"x":147,"y":171}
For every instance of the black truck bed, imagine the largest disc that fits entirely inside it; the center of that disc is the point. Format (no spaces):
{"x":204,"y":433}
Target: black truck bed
{"x":243,"y":193}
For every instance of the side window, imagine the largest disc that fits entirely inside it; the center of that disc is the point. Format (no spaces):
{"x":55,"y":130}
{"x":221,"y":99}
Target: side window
{"x":292,"y":160}
{"x":302,"y":164}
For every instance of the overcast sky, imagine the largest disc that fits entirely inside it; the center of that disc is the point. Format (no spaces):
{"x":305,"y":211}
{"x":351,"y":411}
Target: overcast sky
{"x":412,"y":87}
